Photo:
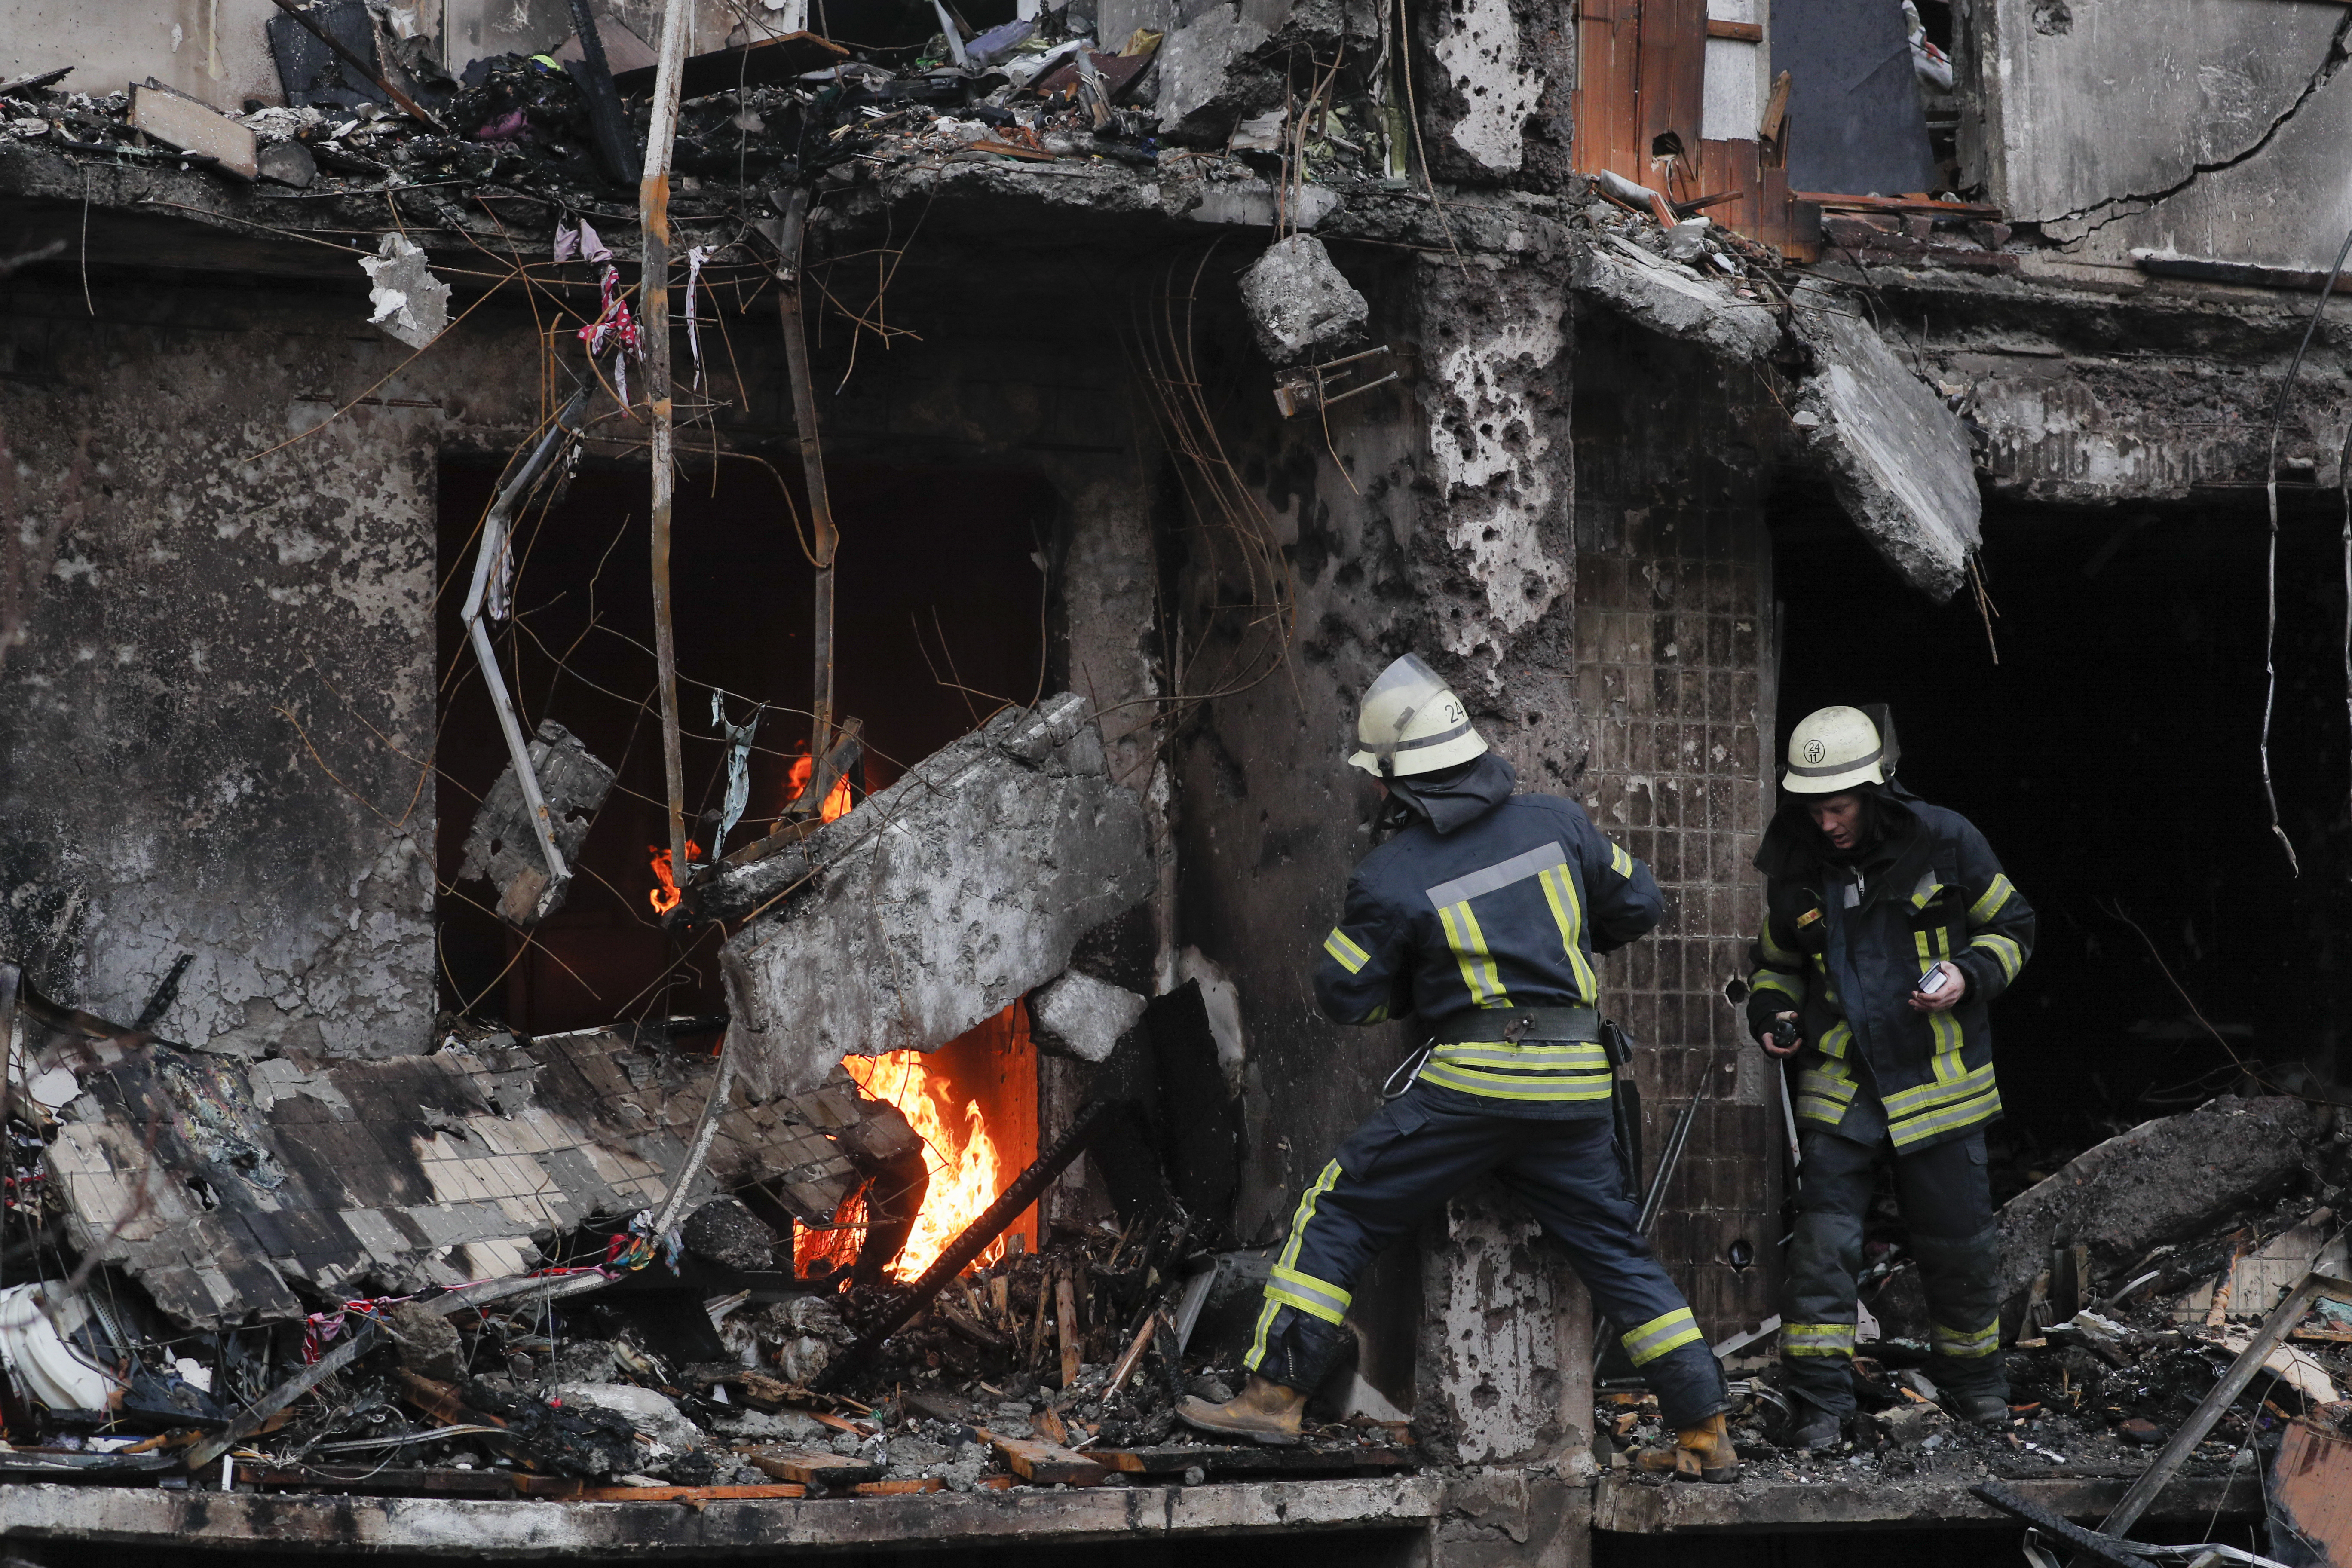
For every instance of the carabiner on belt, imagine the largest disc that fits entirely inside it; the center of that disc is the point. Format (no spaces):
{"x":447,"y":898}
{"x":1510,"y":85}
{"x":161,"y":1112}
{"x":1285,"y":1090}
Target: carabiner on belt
{"x":1408,"y":1070}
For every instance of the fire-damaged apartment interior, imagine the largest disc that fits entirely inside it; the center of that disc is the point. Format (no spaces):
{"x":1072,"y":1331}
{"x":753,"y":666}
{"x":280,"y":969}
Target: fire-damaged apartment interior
{"x":679,"y":680}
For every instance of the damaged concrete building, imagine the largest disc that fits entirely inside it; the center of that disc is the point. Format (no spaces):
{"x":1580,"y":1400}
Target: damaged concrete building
{"x":412,"y":810}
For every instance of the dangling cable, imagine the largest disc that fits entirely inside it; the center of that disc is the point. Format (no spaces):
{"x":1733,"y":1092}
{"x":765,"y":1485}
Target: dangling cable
{"x":2270,"y":576}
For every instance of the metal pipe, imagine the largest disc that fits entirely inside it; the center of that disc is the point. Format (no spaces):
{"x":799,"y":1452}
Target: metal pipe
{"x":653,"y":309}
{"x":827,"y":540}
{"x":494,"y":537}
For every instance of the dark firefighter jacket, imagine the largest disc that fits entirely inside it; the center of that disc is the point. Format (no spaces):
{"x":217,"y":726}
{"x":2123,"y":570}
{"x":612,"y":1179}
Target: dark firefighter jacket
{"x":1501,"y":902}
{"x":1842,"y":946}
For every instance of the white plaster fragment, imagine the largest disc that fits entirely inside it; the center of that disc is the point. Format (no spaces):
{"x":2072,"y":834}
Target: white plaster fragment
{"x":1481,"y":53}
{"x":1489,"y":451}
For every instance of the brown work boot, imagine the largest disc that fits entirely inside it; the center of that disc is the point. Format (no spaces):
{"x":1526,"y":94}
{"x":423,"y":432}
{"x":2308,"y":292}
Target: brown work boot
{"x":1268,"y":1412}
{"x":1703,"y":1452}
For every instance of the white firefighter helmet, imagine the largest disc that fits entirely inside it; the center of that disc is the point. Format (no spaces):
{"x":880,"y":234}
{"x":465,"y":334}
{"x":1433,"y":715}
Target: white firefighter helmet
{"x":1411,"y":722}
{"x":1832,"y":749}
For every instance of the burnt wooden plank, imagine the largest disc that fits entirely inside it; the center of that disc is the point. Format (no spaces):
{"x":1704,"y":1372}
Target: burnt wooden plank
{"x":1607,"y":37}
{"x":898,"y":1489}
{"x":1043,"y":1463}
{"x":1673,"y":87}
{"x":1732,"y":166}
{"x":812,"y":1467}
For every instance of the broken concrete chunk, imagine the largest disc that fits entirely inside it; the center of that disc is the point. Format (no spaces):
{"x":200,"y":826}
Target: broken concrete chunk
{"x":1898,"y":457}
{"x":1197,"y":73}
{"x":1078,"y":1015}
{"x":503,"y":847}
{"x":2163,"y":1181}
{"x":1299,"y":301}
{"x":649,"y":1411}
{"x":178,"y":121}
{"x":287,"y":162}
{"x":724,"y":1232}
{"x":939,"y":903}
{"x":427,"y":1343}
{"x":1673,"y":301}
{"x":409,"y":303}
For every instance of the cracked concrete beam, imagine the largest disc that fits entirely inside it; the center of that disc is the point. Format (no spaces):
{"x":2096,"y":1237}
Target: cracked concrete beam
{"x":2228,"y":147}
{"x":1898,"y":459}
{"x":1675,"y":301}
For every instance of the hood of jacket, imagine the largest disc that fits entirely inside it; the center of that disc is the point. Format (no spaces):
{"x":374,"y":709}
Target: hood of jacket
{"x":1793,"y":846}
{"x":1447,"y":800}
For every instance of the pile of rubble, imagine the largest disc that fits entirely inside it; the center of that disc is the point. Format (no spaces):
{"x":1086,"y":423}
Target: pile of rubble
{"x":2140,"y":1275}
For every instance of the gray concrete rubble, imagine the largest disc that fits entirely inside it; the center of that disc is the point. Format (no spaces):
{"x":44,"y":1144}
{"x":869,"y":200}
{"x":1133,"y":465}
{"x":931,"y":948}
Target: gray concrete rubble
{"x":1082,"y":1017}
{"x":938,"y":902}
{"x":1675,"y":301}
{"x":463,"y":1165}
{"x":1299,"y":302}
{"x":1898,"y":459}
{"x":2164,"y":1182}
{"x":503,"y":847}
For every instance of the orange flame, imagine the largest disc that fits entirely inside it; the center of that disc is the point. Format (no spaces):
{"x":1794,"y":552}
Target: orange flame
{"x":963,"y":1157}
{"x":836,"y":799}
{"x":665,"y":893}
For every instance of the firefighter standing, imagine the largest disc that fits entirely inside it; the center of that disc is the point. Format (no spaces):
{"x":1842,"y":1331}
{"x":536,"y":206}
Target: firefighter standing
{"x":1888,"y":929}
{"x":1481,"y":917}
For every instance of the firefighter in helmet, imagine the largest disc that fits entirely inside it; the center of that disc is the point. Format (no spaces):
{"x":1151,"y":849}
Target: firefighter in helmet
{"x":1481,"y":918}
{"x":1889,"y":929}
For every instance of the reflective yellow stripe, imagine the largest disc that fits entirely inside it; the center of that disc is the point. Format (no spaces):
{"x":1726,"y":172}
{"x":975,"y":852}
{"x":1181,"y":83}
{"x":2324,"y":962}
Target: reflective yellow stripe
{"x":1817,"y":1338}
{"x":1621,"y":862}
{"x":1788,"y":985}
{"x":1835,"y":1039}
{"x":1350,"y":957}
{"x":1317,"y":1298}
{"x":1953,"y":1342}
{"x":1550,"y":1087}
{"x":1469,"y":946}
{"x":1812,"y":1080}
{"x":1995,"y":899}
{"x":1561,"y":893}
{"x":1536,"y":1056}
{"x":1378,"y":1015}
{"x":1828,"y":1112}
{"x":1942,"y":1026}
{"x":1929,"y":1125}
{"x":1928,"y":889}
{"x":1660,"y":1335}
{"x":1288,"y":1261}
{"x":1928,"y":1096}
{"x":2005,"y":952}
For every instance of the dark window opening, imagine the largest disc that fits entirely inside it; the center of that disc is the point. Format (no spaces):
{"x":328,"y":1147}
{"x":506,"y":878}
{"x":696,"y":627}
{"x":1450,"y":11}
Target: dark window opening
{"x":2111,"y":758}
{"x":937,"y":594}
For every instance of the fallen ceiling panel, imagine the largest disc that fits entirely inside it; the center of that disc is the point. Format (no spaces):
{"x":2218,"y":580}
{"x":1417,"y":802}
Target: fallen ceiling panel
{"x":222,"y":1185}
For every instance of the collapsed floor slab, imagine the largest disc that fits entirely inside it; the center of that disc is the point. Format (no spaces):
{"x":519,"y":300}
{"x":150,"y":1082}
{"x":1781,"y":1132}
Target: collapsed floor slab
{"x":940,"y":902}
{"x":219,"y":1185}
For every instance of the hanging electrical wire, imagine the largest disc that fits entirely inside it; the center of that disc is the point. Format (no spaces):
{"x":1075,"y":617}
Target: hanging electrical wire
{"x":2269,"y":576}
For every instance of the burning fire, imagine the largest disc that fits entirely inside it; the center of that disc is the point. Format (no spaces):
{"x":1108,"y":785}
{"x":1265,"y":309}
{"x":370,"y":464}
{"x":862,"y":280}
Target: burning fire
{"x":962,"y":1156}
{"x":836,"y":799}
{"x":665,"y":894}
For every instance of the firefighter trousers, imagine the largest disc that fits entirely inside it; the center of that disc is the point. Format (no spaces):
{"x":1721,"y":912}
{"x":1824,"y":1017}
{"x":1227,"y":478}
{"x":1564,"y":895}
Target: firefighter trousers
{"x":1947,"y":1196}
{"x":1419,"y":1151}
